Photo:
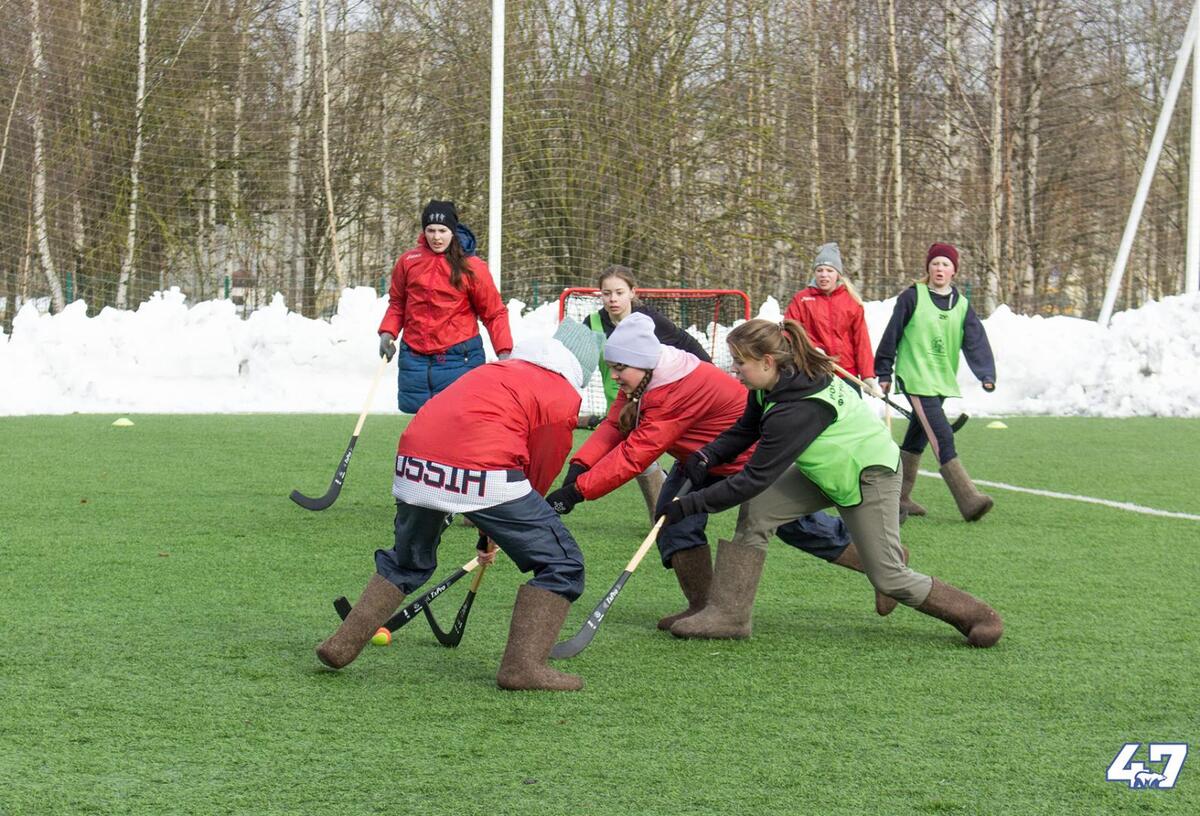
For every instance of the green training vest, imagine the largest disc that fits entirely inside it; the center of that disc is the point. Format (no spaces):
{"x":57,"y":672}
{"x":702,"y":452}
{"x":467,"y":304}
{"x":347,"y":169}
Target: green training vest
{"x":856,"y":440}
{"x":927,"y":360}
{"x":610,"y":385}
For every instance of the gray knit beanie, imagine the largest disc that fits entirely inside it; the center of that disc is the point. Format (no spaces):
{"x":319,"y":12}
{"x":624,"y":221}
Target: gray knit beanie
{"x":583,"y":343}
{"x":829,"y":255}
{"x":633,"y":343}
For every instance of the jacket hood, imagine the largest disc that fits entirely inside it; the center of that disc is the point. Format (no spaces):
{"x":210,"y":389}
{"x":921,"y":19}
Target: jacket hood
{"x":673,"y":365}
{"x":795,"y":386}
{"x":466,"y":239}
{"x":550,"y":354}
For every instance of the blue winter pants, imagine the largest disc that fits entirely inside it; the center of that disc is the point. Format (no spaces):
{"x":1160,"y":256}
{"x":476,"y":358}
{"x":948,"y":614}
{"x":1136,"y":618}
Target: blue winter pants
{"x":526,"y":529}
{"x":421,"y":376}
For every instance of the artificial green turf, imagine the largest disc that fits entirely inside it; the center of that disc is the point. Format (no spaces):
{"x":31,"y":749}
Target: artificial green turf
{"x":160,"y":598}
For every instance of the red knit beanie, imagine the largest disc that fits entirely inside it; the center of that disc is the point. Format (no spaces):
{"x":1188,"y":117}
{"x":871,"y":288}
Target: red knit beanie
{"x":945,"y":250}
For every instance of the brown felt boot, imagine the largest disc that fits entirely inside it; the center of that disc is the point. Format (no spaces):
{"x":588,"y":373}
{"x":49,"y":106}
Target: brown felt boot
{"x":966,"y":613}
{"x":731,"y":597}
{"x":909,"y":463}
{"x":884,"y":604}
{"x":971,"y":503}
{"x":651,"y":482}
{"x":379,"y":600}
{"x":537,"y":618}
{"x":694,"y":570}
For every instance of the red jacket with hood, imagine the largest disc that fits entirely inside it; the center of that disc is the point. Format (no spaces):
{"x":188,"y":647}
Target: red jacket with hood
{"x":692,"y":403}
{"x":434,"y":314}
{"x":836,"y":323}
{"x":500,"y":416}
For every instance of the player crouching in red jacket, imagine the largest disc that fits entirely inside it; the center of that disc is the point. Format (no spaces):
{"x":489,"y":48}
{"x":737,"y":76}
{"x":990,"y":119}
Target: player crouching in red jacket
{"x":488,"y":447}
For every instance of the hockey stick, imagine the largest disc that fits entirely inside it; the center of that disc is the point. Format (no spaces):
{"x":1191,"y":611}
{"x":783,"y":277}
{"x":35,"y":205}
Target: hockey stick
{"x":413,"y":609}
{"x":572,"y":647}
{"x":955,"y":426}
{"x":454,"y":636}
{"x":335,"y":487}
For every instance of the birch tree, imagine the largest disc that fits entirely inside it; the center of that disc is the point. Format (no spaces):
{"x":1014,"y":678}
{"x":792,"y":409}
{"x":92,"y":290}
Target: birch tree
{"x":45,"y":256}
{"x":991,"y":287}
{"x":135,"y":163}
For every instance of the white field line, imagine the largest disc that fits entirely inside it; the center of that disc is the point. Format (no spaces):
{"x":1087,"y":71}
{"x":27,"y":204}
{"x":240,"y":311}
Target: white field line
{"x":1116,"y":505}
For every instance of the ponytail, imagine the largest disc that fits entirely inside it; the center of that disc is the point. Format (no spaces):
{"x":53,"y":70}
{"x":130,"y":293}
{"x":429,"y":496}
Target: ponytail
{"x":460,"y":266}
{"x":786,"y":342}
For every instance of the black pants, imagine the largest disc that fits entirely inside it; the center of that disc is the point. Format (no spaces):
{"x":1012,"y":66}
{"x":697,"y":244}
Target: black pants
{"x":929,"y":425}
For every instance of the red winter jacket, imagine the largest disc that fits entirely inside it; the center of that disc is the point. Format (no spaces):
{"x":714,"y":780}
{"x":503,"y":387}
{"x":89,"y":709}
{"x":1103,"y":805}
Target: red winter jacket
{"x":435,"y":315}
{"x":499,"y":416}
{"x":678,"y":418}
{"x":836,"y":323}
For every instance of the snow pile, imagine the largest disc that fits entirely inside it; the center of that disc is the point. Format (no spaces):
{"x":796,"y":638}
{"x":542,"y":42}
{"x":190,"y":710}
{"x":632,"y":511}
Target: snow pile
{"x":169,"y":356}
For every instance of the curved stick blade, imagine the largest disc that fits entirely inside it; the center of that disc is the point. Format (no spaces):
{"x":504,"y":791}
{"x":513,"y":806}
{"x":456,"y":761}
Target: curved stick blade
{"x":335,"y":486}
{"x":579,"y":642}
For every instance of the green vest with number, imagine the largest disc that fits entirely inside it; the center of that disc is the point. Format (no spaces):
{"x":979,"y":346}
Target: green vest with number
{"x":855,"y":441}
{"x":927,"y":360}
{"x":610,"y":385}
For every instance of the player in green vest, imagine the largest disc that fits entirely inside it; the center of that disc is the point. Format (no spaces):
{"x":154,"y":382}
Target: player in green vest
{"x":818,"y":446}
{"x":930,"y":325}
{"x":618,"y":298}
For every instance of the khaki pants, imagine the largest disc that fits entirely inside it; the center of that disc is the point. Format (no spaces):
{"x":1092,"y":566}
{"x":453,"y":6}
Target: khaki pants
{"x":874,"y":526}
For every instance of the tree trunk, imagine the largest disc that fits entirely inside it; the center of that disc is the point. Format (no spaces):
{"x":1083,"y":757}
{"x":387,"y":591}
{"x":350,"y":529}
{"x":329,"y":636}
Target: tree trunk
{"x":1032,"y":127}
{"x":991,"y":289}
{"x":855,"y":266}
{"x":897,"y":142}
{"x":134,"y":165}
{"x":951,"y":132}
{"x":331,"y":211}
{"x":39,"y":164}
{"x":293,"y":240}
{"x":814,"y":135}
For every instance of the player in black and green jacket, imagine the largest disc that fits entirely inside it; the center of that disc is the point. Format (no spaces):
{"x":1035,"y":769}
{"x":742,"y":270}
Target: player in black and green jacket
{"x":818,"y":446}
{"x":931,"y":323}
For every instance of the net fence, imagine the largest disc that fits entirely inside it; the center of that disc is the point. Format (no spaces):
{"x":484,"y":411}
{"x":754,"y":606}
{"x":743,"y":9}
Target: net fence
{"x":210,"y":144}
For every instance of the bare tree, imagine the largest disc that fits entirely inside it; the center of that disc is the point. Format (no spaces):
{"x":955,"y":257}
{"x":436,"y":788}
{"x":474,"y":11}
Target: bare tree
{"x":45,"y":256}
{"x":135,"y":164}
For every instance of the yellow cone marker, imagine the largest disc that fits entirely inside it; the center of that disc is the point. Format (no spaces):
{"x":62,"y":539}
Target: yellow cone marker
{"x":996,"y":425}
{"x":123,"y":422}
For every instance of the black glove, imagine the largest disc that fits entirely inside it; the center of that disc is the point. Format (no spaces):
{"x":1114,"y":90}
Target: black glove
{"x":387,"y":345}
{"x":989,"y":387}
{"x":573,"y":473}
{"x":696,"y":468}
{"x":564,"y":499}
{"x":482,"y":543}
{"x":679,"y":509}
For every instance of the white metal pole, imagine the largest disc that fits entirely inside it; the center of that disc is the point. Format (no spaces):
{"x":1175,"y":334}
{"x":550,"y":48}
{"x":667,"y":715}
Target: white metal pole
{"x":1143,"y":190}
{"x":496,"y":155}
{"x":1191,"y":271}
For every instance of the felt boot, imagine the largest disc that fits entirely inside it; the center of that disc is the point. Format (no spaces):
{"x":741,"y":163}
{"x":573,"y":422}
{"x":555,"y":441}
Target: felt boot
{"x":379,"y":600}
{"x":693,"y":568}
{"x":980,"y":623}
{"x":651,"y":482}
{"x":909,"y":462}
{"x":884,"y":604}
{"x":971,"y":503}
{"x":537,"y":618}
{"x":730,"y":598}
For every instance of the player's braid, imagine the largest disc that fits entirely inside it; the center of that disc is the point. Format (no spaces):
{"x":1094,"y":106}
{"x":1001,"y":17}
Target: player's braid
{"x":628,"y":419}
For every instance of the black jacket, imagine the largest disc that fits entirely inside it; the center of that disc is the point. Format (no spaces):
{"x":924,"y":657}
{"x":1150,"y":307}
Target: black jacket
{"x":782,"y":433}
{"x":667,"y":332}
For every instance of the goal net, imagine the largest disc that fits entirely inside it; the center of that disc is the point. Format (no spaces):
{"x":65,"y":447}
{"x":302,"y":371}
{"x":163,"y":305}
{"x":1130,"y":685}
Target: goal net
{"x":706,"y":314}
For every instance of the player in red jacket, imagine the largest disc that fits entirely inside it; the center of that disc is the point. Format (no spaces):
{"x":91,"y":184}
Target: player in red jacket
{"x":831,"y":313}
{"x":440,"y":291}
{"x":488,"y":447}
{"x":671,"y":402}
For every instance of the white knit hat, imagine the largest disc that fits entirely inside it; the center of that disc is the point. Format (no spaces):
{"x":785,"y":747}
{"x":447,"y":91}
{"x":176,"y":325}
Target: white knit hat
{"x":633,"y":343}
